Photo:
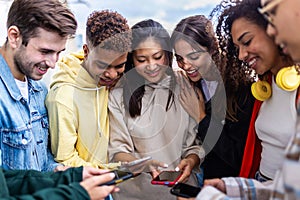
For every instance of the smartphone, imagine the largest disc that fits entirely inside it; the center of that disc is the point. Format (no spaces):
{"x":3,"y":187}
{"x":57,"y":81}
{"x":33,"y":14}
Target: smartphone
{"x":168,"y":178}
{"x":120,"y":176}
{"x":185,"y":190}
{"x":137,"y":162}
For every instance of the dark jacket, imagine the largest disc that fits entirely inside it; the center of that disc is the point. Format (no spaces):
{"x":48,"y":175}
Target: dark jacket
{"x":225,"y":157}
{"x":20,"y":184}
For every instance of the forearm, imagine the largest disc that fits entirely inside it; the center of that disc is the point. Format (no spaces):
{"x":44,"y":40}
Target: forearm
{"x":124,"y":157}
{"x":30,"y":181}
{"x":72,"y":191}
{"x":247,"y":188}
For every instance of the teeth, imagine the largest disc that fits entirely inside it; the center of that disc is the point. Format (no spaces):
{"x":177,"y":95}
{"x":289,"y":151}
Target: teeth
{"x":252,"y":62}
{"x":42,"y":68}
{"x":191,"y":72}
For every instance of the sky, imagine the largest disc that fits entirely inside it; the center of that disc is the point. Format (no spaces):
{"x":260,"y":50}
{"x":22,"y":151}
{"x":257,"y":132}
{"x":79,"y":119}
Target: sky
{"x":167,"y":12}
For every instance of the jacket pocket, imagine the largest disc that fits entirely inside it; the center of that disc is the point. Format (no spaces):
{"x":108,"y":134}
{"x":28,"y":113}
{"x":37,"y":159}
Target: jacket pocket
{"x":17,"y":149}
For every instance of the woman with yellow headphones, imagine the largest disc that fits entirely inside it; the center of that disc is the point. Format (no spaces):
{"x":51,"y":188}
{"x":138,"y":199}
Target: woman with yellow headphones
{"x":247,"y":46}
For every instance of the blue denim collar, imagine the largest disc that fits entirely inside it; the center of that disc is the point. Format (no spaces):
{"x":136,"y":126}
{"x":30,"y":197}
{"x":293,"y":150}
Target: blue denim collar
{"x":10,"y":83}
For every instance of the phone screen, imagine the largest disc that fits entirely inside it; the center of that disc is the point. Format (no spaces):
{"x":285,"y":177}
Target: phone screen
{"x":185,"y":190}
{"x":120,"y":176}
{"x":167,"y":178}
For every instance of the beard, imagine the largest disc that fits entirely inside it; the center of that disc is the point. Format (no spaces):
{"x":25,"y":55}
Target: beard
{"x":24,"y":65}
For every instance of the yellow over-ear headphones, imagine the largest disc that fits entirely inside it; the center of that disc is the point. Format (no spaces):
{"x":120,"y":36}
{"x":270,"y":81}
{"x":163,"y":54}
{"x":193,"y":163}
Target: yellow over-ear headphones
{"x":288,"y":78}
{"x":261,"y":90}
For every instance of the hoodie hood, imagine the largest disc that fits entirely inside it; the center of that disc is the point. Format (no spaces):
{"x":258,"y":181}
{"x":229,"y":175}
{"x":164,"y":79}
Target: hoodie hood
{"x":71,"y":72}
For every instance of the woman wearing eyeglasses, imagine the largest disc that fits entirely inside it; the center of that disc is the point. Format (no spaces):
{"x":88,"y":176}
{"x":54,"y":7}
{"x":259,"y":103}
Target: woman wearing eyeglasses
{"x":223,"y":122}
{"x":284,"y":24}
{"x":286,"y":182}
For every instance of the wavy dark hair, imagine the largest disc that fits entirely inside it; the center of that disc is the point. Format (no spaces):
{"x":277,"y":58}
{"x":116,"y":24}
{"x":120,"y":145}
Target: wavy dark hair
{"x":197,"y":29}
{"x":227,"y":12}
{"x":134,"y":84}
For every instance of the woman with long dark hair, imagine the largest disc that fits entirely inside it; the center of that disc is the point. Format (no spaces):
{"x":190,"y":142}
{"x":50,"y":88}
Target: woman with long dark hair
{"x":197,"y":54}
{"x":146,"y":118}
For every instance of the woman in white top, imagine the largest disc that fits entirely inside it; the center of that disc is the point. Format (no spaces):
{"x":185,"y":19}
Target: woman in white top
{"x":146,"y":118}
{"x":244,"y":29}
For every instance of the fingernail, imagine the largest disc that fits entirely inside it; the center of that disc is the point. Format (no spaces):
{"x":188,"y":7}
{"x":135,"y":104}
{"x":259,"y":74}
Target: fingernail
{"x":177,"y":169}
{"x":166,"y":165}
{"x":112,"y":175}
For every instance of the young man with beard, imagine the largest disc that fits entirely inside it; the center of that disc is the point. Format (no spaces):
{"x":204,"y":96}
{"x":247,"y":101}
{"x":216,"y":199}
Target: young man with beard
{"x":37,"y":32}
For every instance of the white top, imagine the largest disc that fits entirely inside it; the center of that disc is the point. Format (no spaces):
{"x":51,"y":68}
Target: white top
{"x":23,"y":87}
{"x":275,"y":125}
{"x":165,"y":136}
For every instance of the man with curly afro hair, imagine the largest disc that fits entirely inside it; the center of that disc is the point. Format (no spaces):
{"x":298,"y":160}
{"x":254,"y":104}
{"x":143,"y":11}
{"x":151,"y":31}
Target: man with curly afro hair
{"x":78,"y":96}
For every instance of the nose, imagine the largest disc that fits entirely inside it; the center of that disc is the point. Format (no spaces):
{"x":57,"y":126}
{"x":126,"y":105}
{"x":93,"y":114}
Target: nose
{"x":185,"y":64}
{"x":243,"y":53}
{"x":151,"y":64}
{"x":111,"y":73}
{"x":51,"y":60}
{"x":271,"y":31}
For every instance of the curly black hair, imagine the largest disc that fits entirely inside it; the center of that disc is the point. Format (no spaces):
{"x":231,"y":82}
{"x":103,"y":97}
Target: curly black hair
{"x":236,"y":73}
{"x":110,"y":29}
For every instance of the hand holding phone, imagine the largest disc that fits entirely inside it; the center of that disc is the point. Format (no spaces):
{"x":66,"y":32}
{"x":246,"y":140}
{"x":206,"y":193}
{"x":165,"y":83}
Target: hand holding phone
{"x":168,"y":178}
{"x":185,"y":190}
{"x":120,"y":176}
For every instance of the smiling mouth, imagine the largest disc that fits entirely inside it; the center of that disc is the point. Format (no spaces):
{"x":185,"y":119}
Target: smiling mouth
{"x":191,"y":71}
{"x":251,"y":62}
{"x":152,"y":73}
{"x":108,"y":82}
{"x":42,"y":68}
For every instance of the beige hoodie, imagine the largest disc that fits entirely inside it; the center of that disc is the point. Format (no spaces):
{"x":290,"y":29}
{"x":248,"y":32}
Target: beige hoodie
{"x":78,"y":116}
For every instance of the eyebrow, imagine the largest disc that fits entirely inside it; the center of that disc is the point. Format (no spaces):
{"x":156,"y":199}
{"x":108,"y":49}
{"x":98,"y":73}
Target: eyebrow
{"x":43,"y":49}
{"x":102,"y":63}
{"x":198,"y":51}
{"x":160,"y":51}
{"x":241,"y":37}
{"x":108,"y":66}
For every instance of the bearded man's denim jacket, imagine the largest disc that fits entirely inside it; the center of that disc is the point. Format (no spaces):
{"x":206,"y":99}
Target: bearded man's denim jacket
{"x":23,"y":125}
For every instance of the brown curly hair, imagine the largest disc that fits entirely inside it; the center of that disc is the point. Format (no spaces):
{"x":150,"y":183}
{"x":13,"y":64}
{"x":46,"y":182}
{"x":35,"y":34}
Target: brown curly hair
{"x":110,"y":29}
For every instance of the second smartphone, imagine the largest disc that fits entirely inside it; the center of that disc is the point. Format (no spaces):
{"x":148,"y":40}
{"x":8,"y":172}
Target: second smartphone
{"x":185,"y":190}
{"x":168,"y":178}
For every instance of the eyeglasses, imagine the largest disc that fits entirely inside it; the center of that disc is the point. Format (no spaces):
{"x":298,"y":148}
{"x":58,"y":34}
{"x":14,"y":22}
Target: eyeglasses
{"x":266,"y":9}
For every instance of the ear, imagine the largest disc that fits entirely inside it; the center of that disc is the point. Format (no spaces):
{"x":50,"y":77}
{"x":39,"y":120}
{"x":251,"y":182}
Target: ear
{"x":14,"y":36}
{"x":85,"y":51}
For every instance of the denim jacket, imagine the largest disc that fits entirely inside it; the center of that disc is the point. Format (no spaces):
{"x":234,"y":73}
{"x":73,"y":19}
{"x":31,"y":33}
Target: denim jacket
{"x":23,"y":125}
